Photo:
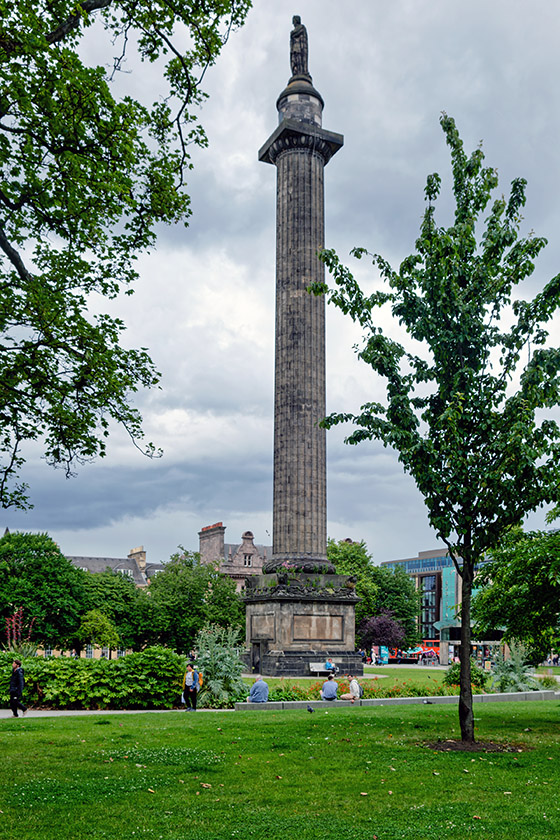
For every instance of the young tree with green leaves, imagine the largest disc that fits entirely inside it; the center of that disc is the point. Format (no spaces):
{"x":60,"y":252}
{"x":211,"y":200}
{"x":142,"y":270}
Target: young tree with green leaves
{"x":520,"y":590}
{"x":86,"y":176}
{"x":128,"y":607}
{"x":467,"y":403}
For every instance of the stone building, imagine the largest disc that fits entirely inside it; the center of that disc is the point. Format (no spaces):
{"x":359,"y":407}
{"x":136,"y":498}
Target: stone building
{"x":237,"y":560}
{"x":135,"y":565}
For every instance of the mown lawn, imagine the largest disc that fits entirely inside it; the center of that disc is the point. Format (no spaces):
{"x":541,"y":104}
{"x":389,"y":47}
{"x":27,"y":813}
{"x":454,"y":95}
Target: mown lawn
{"x":386,"y":674}
{"x":349,"y":774}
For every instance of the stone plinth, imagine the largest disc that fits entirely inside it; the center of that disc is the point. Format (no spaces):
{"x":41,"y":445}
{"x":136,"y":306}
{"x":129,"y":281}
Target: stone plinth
{"x":296,"y":618}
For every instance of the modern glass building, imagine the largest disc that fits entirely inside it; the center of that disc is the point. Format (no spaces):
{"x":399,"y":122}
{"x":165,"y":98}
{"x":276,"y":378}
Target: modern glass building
{"x":436,"y":578}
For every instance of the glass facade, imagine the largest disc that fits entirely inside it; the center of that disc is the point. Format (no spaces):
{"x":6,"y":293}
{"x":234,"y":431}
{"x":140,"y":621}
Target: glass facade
{"x":429,"y":605}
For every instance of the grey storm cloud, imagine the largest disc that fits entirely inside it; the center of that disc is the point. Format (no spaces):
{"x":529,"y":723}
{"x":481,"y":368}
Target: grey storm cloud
{"x":204,"y":302}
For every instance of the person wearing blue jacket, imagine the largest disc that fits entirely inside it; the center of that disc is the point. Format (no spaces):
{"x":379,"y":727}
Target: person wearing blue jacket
{"x":259,"y":691}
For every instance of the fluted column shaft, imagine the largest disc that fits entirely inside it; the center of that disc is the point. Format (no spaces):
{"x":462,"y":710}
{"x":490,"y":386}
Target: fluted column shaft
{"x":300,"y":487}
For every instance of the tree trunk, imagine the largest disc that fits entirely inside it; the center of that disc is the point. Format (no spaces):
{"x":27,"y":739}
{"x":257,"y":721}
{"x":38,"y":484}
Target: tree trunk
{"x":466,"y":717}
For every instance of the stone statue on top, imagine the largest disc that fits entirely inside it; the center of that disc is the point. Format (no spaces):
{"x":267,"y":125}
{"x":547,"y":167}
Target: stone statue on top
{"x":299,"y":48}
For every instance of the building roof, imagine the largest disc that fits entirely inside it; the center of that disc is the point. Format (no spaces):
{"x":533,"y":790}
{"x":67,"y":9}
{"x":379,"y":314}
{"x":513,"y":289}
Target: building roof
{"x":122,"y":565}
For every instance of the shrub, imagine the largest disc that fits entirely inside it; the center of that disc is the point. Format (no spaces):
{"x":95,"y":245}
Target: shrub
{"x":547,"y":682}
{"x":479,"y":678}
{"x":218,"y":659}
{"x":514,"y":674}
{"x":150,"y":679}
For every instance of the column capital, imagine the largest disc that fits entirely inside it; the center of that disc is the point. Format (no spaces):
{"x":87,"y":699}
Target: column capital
{"x":296,"y":135}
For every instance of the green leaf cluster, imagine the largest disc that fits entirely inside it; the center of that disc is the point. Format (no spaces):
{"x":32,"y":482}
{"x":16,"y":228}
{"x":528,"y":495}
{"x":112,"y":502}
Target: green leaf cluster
{"x":149,"y":679}
{"x":86,"y":176}
{"x":96,"y":629}
{"x":125,"y":605}
{"x":35,"y":576}
{"x":186,"y":596}
{"x":520,"y":590}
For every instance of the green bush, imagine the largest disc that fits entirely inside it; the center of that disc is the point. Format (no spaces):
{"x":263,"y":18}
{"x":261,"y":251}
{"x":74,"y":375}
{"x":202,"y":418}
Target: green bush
{"x":150,"y":679}
{"x":219,"y":661}
{"x":514,"y":674}
{"x":479,"y":678}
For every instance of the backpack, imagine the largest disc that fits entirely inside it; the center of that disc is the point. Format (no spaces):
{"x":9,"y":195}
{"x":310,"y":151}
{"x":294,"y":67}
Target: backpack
{"x":361,"y":690}
{"x":200,"y":680}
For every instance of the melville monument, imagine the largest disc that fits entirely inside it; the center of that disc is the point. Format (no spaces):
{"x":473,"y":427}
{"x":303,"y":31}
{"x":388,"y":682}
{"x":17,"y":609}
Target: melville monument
{"x":299,"y":610}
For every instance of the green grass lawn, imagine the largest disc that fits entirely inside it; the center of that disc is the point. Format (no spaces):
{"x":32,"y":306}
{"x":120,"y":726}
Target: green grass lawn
{"x":348,"y":774}
{"x":549,"y":669}
{"x":386,"y":674}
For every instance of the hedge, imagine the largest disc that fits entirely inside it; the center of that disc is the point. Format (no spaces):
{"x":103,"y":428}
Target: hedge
{"x":150,"y":679}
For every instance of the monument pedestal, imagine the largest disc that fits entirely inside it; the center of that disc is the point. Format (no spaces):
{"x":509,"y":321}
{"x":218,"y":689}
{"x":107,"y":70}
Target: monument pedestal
{"x":296,"y":618}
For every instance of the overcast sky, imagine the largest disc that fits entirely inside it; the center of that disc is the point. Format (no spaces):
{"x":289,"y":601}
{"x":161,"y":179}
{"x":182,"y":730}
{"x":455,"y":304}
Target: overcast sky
{"x":204,"y":304}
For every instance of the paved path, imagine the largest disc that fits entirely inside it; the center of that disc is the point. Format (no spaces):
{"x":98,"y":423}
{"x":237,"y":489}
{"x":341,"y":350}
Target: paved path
{"x":5,"y":714}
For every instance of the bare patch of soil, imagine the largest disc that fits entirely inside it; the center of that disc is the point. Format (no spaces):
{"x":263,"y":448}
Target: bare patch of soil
{"x":452,"y":745}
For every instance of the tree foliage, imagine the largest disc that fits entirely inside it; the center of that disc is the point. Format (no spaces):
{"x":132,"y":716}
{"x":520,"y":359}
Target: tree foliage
{"x":382,"y":629}
{"x":462,"y":409}
{"x":186,"y":596}
{"x":86,"y":175}
{"x":381,"y":590}
{"x":128,"y":607}
{"x":520,"y":589}
{"x":96,"y":629}
{"x":36,"y":577}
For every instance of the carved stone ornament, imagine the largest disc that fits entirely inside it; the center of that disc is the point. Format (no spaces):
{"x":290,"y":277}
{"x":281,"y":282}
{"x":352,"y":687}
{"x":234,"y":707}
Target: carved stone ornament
{"x":293,"y":141}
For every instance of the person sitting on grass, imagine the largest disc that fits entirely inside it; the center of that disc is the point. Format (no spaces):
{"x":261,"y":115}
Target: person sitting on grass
{"x":259,"y":691}
{"x":329,"y":689}
{"x":354,"y":690}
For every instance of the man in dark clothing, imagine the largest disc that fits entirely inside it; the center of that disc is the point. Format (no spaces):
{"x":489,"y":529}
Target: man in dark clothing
{"x":17,"y":681}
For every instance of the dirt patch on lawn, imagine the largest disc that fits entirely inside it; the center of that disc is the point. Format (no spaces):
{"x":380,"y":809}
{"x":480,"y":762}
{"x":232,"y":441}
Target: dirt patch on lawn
{"x":452,"y":745}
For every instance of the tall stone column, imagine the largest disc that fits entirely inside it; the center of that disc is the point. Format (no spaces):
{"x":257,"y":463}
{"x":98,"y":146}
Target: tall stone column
{"x":299,"y":148}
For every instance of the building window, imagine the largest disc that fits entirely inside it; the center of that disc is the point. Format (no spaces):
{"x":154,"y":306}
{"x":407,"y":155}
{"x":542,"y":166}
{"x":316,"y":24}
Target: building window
{"x":89,"y":651}
{"x":48,"y":652}
{"x":120,"y":653}
{"x":127,"y":572}
{"x":429,"y":606}
{"x":247,"y":560}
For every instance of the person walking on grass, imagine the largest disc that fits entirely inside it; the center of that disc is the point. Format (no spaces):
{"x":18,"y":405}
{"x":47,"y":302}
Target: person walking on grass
{"x":190,"y":688}
{"x":17,"y":682}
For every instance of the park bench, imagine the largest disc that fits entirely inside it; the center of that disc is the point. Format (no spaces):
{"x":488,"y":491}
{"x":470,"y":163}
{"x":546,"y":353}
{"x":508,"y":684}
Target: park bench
{"x":319,"y":668}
